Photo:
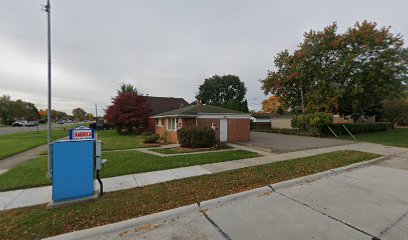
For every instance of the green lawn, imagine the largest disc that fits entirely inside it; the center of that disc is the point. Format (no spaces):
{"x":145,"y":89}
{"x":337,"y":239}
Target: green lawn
{"x":113,"y":141}
{"x":14,"y":143}
{"x":32,"y":172}
{"x":38,"y":222}
{"x":188,"y":150}
{"x":397,"y":137}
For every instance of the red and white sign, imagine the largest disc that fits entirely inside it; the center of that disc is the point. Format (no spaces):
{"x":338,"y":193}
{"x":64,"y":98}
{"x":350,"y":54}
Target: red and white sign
{"x":82,"y":134}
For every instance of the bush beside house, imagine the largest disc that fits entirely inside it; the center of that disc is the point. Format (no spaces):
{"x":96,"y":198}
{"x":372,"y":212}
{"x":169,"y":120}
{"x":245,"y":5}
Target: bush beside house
{"x":196,"y":137}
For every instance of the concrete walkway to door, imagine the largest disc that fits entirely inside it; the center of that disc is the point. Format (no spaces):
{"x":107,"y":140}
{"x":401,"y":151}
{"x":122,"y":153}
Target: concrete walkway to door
{"x":281,"y":143}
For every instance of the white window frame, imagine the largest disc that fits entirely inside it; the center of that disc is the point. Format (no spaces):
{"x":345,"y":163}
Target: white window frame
{"x":171,"y":124}
{"x":159,"y":122}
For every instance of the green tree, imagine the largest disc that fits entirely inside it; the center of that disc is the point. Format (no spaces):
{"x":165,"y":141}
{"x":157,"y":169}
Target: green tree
{"x":127,"y":88}
{"x":349,"y":73}
{"x":395,"y":111}
{"x":227,"y":91}
{"x":79,"y":114}
{"x":11,"y":110}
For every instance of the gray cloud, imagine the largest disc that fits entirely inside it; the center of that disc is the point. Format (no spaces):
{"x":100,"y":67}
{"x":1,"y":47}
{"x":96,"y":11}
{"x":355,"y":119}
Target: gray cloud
{"x":165,"y":48}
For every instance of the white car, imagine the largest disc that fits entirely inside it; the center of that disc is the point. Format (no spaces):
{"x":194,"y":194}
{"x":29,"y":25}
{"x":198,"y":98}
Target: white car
{"x":19,"y":123}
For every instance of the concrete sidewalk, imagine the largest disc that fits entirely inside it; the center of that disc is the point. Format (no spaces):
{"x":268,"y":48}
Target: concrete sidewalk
{"x":369,"y":203}
{"x":41,"y":195}
{"x":18,"y":158}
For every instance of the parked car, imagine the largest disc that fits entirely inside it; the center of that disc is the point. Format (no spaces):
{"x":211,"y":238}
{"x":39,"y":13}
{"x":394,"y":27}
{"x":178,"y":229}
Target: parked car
{"x":19,"y":123}
{"x":60,"y":122}
{"x":32,"y":124}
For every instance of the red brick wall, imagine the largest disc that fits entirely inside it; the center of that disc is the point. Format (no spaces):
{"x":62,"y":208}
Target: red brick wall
{"x":238,"y":130}
{"x":171,"y":135}
{"x":151,"y":123}
{"x":188,"y":122}
{"x":207,"y":123}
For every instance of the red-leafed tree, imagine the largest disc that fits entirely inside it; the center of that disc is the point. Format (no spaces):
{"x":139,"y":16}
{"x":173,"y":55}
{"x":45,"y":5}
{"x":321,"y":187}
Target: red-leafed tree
{"x":128,"y":111}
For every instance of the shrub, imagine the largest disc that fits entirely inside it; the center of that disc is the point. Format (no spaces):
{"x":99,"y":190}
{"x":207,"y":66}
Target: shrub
{"x":196,"y":137}
{"x":92,"y":125}
{"x":146,"y":133}
{"x":357,"y":128}
{"x":152,"y":138}
{"x":312,"y":122}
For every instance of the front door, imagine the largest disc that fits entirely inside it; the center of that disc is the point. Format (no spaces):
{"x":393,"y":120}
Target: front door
{"x":223,"y":130}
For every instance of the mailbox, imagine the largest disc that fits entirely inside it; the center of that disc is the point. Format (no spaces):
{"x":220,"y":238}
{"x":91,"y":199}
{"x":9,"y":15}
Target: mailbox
{"x":75,"y":165}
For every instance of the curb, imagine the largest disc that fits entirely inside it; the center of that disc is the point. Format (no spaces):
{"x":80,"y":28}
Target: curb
{"x":131,"y":223}
{"x":156,"y":217}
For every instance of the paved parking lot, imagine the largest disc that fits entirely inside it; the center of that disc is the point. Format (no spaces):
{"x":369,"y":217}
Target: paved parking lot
{"x":369,"y":203}
{"x":281,"y":143}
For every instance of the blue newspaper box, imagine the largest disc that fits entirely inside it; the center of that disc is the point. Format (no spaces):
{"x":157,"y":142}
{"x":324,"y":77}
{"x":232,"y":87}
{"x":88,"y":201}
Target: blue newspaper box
{"x":73,"y":170}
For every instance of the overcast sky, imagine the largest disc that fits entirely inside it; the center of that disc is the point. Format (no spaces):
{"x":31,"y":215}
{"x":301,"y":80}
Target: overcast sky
{"x":165,"y":48}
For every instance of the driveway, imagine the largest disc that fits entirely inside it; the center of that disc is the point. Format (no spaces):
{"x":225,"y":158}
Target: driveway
{"x":369,"y":203}
{"x":281,"y":143}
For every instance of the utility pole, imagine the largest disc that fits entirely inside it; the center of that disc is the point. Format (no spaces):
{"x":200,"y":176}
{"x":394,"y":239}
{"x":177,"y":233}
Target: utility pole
{"x":96,"y":112}
{"x":47,"y":9}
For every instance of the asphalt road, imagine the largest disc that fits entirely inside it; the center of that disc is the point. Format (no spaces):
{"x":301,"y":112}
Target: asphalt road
{"x":369,"y":203}
{"x":8,"y":130}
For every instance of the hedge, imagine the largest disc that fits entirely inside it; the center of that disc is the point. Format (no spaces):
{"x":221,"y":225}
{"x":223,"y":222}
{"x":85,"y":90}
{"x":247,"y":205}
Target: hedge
{"x":289,"y":131}
{"x":357,"y":128}
{"x":196,"y":137}
{"x":152,"y":138}
{"x":260,"y":124}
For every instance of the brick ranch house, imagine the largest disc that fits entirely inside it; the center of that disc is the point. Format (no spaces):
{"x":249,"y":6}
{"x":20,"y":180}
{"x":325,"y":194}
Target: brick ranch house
{"x":160,"y":105}
{"x":229,"y":125}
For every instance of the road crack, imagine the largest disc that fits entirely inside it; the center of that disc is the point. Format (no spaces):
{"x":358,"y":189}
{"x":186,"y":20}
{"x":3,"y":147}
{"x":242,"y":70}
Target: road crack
{"x":223,"y":234}
{"x":327,"y":215}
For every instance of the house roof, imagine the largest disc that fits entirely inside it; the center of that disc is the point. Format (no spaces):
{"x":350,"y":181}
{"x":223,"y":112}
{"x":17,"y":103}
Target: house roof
{"x":164,"y":104}
{"x":262,"y":115}
{"x":195,"y":110}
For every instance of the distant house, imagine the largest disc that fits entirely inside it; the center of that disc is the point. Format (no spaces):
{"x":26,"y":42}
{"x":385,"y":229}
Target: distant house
{"x":229,"y":125}
{"x":281,"y":120}
{"x":162,"y":104}
{"x":261,"y":119}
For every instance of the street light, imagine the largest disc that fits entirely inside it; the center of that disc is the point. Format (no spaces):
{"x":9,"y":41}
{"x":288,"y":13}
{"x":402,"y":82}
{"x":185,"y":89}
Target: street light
{"x":47,"y":9}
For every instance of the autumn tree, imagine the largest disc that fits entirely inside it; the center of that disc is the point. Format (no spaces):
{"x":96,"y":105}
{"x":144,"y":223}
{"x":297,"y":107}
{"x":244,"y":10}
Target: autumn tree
{"x":226,"y":91}
{"x":272,"y":105}
{"x":350,"y":73}
{"x":128,"y":111}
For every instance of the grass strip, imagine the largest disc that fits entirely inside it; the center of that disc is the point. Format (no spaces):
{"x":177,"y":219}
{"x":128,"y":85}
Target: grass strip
{"x":188,"y":150}
{"x":37,"y":222}
{"x":32,"y":173}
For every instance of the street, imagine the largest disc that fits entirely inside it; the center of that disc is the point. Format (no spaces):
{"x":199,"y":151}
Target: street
{"x":366,"y":203}
{"x":9,"y":129}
